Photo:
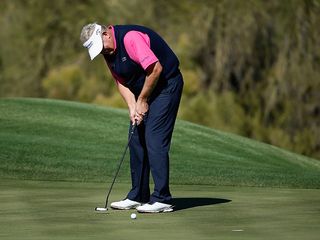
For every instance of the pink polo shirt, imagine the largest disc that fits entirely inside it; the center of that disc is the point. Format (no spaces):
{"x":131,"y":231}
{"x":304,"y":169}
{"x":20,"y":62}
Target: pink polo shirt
{"x":137,"y":45}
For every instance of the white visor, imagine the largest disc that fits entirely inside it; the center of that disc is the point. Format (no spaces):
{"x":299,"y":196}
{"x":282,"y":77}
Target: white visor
{"x":94,"y":43}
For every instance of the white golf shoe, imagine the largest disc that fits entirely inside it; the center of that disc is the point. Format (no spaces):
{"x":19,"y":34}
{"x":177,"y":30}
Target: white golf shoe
{"x":156,"y":207}
{"x":125,"y":204}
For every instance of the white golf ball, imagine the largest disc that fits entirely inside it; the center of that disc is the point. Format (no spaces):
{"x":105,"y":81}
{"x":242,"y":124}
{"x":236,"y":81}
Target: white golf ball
{"x":133,"y":216}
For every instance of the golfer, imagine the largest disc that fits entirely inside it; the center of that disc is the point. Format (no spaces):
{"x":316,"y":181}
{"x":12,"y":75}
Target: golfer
{"x":148,"y":78}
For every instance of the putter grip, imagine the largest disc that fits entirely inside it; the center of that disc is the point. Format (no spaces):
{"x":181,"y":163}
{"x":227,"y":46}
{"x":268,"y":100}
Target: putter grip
{"x":133,"y":127}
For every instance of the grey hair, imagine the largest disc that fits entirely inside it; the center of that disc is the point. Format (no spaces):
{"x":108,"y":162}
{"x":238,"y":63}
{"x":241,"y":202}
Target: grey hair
{"x":87,"y":31}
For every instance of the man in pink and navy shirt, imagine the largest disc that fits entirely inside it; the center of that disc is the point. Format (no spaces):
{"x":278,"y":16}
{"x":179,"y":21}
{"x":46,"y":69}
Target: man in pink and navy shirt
{"x":148,"y":78}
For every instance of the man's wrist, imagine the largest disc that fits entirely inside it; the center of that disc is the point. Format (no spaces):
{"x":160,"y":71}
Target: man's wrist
{"x":131,"y":106}
{"x":142,"y":99}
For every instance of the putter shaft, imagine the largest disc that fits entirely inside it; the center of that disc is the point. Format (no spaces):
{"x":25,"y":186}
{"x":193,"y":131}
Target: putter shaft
{"x":120,"y":163}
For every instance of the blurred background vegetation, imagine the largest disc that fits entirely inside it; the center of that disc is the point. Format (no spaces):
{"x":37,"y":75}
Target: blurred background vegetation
{"x":251,"y":67}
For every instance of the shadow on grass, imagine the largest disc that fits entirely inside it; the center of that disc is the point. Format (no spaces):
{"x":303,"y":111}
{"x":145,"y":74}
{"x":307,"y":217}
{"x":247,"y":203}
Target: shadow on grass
{"x":185,"y":203}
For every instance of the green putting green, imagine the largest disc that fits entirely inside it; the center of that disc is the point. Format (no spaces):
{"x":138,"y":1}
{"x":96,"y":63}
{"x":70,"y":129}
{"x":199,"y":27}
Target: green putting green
{"x":65,"y":210}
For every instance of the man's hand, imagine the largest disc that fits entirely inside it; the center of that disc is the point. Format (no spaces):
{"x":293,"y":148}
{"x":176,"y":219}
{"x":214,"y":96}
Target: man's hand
{"x":141,"y":110}
{"x":132,"y":113}
{"x":153,"y":72}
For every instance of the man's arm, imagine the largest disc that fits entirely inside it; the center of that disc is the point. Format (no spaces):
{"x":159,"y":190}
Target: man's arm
{"x":129,"y":98}
{"x":137,"y":45}
{"x":153,"y":74}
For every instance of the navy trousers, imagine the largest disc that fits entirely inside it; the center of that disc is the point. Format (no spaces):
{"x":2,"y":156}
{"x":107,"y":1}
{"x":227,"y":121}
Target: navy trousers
{"x":150,"y":144}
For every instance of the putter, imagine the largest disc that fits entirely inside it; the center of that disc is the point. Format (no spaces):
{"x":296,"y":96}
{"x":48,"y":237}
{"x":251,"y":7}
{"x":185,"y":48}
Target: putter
{"x":105,"y":208}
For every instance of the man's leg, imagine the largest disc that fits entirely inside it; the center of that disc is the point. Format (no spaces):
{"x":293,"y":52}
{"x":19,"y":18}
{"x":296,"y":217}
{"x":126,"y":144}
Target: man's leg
{"x":139,"y":164}
{"x":159,"y":127}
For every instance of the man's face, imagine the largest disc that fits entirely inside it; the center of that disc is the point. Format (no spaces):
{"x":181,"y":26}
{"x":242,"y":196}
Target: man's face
{"x":108,"y":44}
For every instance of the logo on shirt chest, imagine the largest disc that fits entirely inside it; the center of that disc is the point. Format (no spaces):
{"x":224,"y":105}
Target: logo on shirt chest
{"x":123,"y":59}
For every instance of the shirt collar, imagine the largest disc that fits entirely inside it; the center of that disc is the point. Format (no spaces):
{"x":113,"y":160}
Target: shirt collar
{"x":113,"y":36}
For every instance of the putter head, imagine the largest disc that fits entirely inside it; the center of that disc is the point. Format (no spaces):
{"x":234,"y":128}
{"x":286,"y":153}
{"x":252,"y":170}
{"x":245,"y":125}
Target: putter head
{"x":101,"y":209}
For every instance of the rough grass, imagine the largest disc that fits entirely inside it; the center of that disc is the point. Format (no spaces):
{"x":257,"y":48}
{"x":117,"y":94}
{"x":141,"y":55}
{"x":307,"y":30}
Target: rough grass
{"x":43,"y":139}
